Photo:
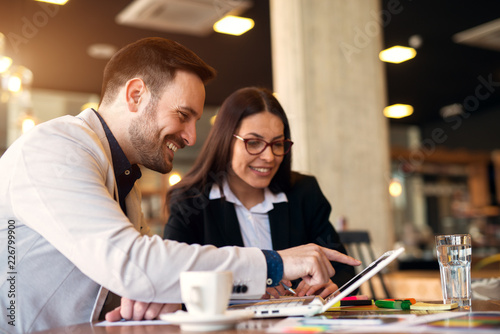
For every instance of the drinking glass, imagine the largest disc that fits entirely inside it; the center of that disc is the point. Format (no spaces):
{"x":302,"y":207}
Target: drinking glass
{"x":454,"y":257}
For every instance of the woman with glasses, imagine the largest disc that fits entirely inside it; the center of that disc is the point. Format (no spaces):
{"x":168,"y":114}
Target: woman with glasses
{"x":241,"y":190}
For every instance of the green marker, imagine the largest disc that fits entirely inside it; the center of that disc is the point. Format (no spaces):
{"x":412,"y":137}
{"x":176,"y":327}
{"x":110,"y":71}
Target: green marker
{"x":398,"y":304}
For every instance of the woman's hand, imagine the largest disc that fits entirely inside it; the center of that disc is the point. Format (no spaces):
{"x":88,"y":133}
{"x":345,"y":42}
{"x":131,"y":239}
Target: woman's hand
{"x":278,"y":291}
{"x":323,"y":290}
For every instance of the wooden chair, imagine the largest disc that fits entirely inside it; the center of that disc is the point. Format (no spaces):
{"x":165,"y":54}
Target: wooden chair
{"x":358,"y":245}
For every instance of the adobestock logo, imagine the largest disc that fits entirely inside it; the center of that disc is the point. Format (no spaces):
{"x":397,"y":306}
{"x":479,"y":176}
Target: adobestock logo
{"x":31,"y":26}
{"x":482,"y":92}
{"x":362,"y":37}
{"x":471,"y":103}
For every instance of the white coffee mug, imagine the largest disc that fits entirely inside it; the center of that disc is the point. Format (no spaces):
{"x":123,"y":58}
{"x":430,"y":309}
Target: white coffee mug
{"x":206,"y":293}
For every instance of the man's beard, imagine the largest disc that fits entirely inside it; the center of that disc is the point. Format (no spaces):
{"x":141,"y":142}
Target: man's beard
{"x":145,"y":138}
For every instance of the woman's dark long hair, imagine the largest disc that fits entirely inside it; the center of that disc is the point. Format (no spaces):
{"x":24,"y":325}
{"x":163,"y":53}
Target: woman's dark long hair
{"x":214,"y":160}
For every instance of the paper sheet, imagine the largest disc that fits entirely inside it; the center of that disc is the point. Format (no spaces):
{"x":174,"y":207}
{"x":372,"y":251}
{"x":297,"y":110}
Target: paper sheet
{"x":131,"y":323}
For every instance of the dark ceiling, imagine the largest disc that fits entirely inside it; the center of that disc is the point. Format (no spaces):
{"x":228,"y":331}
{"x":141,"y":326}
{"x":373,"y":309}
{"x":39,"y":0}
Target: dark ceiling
{"x":52,"y":42}
{"x":443,"y":72}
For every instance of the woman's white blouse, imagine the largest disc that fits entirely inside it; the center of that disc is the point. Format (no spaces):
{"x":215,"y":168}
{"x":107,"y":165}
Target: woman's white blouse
{"x":254,"y":223}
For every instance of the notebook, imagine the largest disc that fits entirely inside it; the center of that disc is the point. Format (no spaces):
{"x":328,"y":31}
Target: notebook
{"x":312,"y":305}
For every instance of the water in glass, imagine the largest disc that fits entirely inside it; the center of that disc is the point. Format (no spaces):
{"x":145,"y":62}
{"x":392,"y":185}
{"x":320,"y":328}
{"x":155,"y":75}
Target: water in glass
{"x":454,"y":264}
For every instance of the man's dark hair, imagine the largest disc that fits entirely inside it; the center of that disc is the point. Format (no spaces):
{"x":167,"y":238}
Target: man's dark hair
{"x":155,"y":60}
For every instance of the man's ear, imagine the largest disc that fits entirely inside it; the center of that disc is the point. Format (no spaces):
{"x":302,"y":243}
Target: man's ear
{"x":136,"y":92}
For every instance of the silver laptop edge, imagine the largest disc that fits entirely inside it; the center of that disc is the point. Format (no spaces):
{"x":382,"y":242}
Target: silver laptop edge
{"x":318,"y":305}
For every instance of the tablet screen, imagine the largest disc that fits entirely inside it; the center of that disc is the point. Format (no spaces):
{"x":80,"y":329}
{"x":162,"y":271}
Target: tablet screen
{"x":371,"y":270}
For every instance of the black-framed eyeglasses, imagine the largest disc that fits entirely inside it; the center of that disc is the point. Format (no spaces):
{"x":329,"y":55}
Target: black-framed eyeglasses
{"x":256,"y":146}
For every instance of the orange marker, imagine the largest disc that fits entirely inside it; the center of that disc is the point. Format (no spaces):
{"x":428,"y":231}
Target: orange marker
{"x":411,"y":300}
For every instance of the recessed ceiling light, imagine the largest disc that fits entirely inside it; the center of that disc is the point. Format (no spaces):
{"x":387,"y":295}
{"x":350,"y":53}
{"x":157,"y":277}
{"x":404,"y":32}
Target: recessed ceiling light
{"x":101,"y":51}
{"x":397,"y":54}
{"x":174,"y":178}
{"x":191,"y":17}
{"x":233,"y":25}
{"x":55,"y":2}
{"x":5,"y":63}
{"x":451,"y":110}
{"x":398,"y":111}
{"x":395,"y":188}
{"x":27,"y":124}
{"x":415,"y":41}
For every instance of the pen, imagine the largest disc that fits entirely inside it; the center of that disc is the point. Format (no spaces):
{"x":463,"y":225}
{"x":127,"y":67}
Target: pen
{"x":288,"y":288}
{"x":398,"y":304}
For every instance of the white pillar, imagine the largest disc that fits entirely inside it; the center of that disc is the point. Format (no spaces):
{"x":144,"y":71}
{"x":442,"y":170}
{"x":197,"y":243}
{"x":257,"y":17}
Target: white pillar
{"x":332,"y":85}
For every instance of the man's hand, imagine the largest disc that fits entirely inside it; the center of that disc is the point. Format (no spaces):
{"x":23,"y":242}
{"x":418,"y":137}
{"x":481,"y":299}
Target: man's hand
{"x":312,"y":263}
{"x":323,"y":290}
{"x":134,"y":310}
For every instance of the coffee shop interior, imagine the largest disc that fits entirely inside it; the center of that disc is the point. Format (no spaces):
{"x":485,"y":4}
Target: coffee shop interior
{"x":403,"y":179}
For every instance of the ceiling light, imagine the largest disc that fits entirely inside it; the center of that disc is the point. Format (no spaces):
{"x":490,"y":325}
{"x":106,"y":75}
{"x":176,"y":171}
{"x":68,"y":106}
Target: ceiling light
{"x":398,"y":111}
{"x":395,"y":188}
{"x":17,"y":78}
{"x":233,"y":25}
{"x":101,"y":50}
{"x":415,"y":41}
{"x":14,"y":84}
{"x":27,"y":124}
{"x":397,"y":54}
{"x":174,"y":179}
{"x":55,"y":2}
{"x":451,"y":110}
{"x":191,"y":17}
{"x":5,"y":63}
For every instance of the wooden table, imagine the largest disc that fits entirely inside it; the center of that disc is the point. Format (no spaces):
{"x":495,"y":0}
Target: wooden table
{"x":257,"y":326}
